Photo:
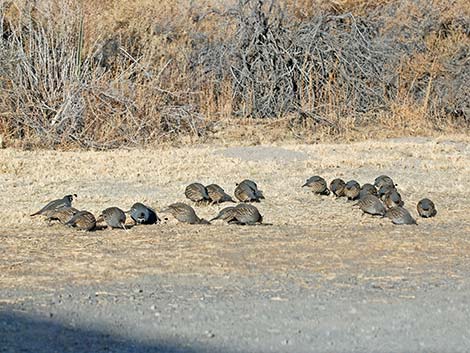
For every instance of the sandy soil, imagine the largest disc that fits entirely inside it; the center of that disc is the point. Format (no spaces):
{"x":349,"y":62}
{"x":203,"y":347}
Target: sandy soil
{"x":315,"y":243}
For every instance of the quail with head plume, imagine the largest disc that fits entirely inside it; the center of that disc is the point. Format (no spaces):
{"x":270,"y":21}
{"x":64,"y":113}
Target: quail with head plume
{"x":367,"y":189}
{"x":352,"y":190}
{"x":426,"y":208}
{"x":400,"y":215}
{"x":393,"y":199}
{"x":63,"y":215}
{"x":317,"y":184}
{"x":371,"y":204}
{"x":142,"y":214}
{"x":337,"y":187}
{"x":114,"y":217}
{"x":383,"y":180}
{"x":66,"y":201}
{"x":184,"y":213}
{"x":82,"y":220}
{"x":217,"y":194}
{"x":197,"y":192}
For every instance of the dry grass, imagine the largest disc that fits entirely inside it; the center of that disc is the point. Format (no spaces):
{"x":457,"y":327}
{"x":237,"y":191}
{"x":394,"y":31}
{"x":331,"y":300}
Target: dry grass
{"x":146,"y":72}
{"x":312,"y":239}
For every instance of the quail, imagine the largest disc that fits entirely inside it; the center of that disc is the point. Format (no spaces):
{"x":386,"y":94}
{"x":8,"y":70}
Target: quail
{"x":63,"y":215}
{"x":317,"y":184}
{"x":66,"y":201}
{"x":197,"y":192}
{"x":337,"y":187}
{"x":241,"y":214}
{"x":371,"y":204}
{"x":393,"y":199}
{"x":142,"y":214}
{"x":217,"y":194}
{"x":82,"y":220}
{"x":184,"y":213}
{"x":245,"y":193}
{"x":252,"y":185}
{"x":400,"y":215}
{"x":367,"y":189}
{"x":114,"y":217}
{"x":225,"y":214}
{"x":383,"y":180}
{"x":384,"y":190}
{"x":352,"y":190}
{"x":426,"y":208}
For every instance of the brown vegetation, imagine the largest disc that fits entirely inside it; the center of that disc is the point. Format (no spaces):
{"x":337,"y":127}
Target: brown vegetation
{"x":114,"y":73}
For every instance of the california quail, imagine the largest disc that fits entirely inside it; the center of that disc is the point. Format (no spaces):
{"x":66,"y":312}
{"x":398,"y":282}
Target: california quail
{"x":142,"y":214}
{"x":253,"y":186}
{"x":384,"y":190}
{"x":66,"y":201}
{"x":197,"y":192}
{"x":247,"y":214}
{"x":184,"y":213}
{"x":63,"y":215}
{"x":383,"y":180}
{"x":352,"y":190}
{"x":393,"y":199}
{"x":400,"y":215}
{"x":82,"y":220}
{"x":241,"y":214}
{"x":337,"y":187}
{"x":371,"y":204}
{"x":114,"y":217}
{"x":318,"y":185}
{"x":426,"y":208}
{"x":217,"y":194}
{"x":367,"y":189}
{"x":245,"y":193}
{"x":225,"y":214}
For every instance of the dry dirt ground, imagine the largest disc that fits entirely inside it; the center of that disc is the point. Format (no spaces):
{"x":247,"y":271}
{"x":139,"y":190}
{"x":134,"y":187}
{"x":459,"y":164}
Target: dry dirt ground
{"x":278,"y":287}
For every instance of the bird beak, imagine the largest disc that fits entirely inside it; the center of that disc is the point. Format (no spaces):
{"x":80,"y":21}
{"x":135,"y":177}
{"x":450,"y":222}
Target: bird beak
{"x":305,"y":185}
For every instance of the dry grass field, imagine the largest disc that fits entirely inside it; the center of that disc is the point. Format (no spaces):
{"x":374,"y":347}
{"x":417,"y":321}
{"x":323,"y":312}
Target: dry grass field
{"x":309,"y":238}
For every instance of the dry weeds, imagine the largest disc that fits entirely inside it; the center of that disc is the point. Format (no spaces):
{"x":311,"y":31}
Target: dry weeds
{"x":312,"y":239}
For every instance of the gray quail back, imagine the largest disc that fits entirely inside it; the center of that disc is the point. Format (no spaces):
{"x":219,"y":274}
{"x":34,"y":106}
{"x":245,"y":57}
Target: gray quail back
{"x":393,"y":199}
{"x":225,"y":214}
{"x":337,"y":187}
{"x":317,"y":185}
{"x":400,"y":215}
{"x":82,"y":220}
{"x":352,"y":190}
{"x":247,"y":214}
{"x":371,"y":204}
{"x":197,"y":192}
{"x":383,"y":180}
{"x":184,"y":213}
{"x":63,"y":215}
{"x":244,"y":193}
{"x":253,"y":186}
{"x":114,"y":217}
{"x":367,"y":189}
{"x":54,"y":205}
{"x":217,"y":194}
{"x":142,"y":214}
{"x":426,"y":208}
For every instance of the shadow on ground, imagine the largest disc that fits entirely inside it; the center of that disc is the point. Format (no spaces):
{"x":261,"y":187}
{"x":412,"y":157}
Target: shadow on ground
{"x":22,"y":333}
